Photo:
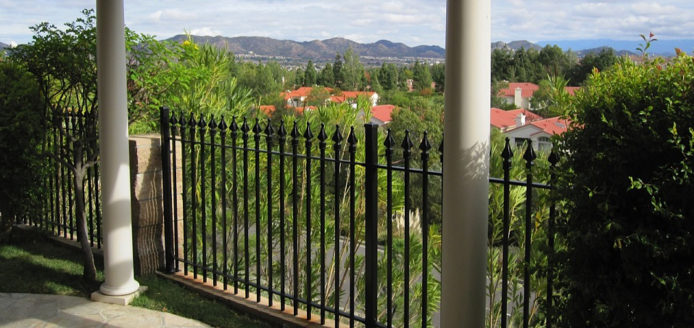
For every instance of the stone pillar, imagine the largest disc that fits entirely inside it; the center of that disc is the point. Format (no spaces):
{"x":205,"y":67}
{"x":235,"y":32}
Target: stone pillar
{"x":115,"y":168}
{"x":466,"y":162}
{"x":147,"y":196}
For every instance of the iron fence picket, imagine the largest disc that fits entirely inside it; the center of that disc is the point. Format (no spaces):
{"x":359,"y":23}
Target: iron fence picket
{"x":198,"y":199}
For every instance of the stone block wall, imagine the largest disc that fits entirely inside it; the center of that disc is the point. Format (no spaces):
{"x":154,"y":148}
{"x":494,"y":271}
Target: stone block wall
{"x":146,"y":201}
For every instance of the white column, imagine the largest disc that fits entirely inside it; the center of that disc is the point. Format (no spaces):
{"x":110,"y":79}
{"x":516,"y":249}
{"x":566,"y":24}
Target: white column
{"x":466,"y":162}
{"x":115,"y":165}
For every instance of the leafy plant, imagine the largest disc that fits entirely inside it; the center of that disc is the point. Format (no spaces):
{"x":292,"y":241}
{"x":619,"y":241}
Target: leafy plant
{"x":627,"y":232}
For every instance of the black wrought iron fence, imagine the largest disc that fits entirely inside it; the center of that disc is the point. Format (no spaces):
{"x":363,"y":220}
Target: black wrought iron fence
{"x":342,"y":225}
{"x":72,"y":138}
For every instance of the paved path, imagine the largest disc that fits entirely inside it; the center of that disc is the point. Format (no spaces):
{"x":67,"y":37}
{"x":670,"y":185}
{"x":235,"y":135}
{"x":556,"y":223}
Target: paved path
{"x":37,"y":310}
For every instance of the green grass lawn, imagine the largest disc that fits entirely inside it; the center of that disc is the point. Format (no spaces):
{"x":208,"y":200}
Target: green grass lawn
{"x":32,"y":263}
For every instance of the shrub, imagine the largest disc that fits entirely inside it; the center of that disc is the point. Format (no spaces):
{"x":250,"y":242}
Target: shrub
{"x":627,"y":177}
{"x":21,"y":131}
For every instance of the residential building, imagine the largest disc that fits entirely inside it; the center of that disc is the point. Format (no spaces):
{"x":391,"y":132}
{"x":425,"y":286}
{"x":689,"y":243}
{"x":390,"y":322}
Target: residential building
{"x":520,"y":93}
{"x":521,"y":125}
{"x":381,"y":114}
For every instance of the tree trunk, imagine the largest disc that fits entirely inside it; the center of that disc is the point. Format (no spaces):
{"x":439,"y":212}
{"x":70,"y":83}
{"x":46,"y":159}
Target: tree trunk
{"x":89,"y":272}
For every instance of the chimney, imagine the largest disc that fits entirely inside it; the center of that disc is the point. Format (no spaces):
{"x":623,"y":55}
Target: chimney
{"x":518,"y":97}
{"x":522,"y":119}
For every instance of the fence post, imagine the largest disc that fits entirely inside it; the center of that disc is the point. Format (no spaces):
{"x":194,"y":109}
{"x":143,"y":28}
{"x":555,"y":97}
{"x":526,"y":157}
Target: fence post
{"x":166,"y":179}
{"x":371,"y":221}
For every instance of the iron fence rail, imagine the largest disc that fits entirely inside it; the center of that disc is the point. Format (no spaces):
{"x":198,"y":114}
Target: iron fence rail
{"x":264,"y":199}
{"x":66,"y":129}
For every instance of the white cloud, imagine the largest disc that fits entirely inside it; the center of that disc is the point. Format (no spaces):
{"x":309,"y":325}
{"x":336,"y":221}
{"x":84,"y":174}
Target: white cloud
{"x":412,"y":22}
{"x":205,"y":31}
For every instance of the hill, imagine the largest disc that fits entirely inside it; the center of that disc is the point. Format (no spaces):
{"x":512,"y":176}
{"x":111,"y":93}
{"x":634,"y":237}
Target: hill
{"x":3,"y":46}
{"x":515,"y":45}
{"x":595,"y":51}
{"x":659,"y":48}
{"x":316,"y":49}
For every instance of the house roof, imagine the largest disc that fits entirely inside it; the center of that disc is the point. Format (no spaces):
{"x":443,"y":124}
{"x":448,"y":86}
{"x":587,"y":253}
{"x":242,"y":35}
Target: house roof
{"x":300,"y":92}
{"x":552,"y":125}
{"x":383,"y":112}
{"x":527,"y":89}
{"x":350,"y":95}
{"x":549,"y":126}
{"x":503,"y":119}
{"x":267,"y":109}
{"x":571,"y":90}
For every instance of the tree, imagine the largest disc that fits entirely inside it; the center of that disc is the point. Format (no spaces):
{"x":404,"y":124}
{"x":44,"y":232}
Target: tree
{"x":438,"y":74}
{"x":502,"y":62}
{"x":388,"y":76}
{"x":64,"y":64}
{"x":353,"y":71}
{"x":551,"y":99}
{"x":627,"y":179}
{"x":327,"y":77}
{"x":318,"y":97}
{"x":602,"y":61}
{"x":338,"y":72}
{"x":310,"y":74}
{"x":421,"y":76}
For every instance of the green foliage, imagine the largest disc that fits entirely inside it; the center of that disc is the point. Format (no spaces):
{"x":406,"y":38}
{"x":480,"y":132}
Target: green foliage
{"x":63,"y":62}
{"x":388,"y":76}
{"x":327,"y":77}
{"x":338,"y":72}
{"x":438,"y":75}
{"x":352,"y":71}
{"x":591,"y":62}
{"x":422,"y":76}
{"x":551,"y":99}
{"x":310,"y":74}
{"x":197,"y":78}
{"x":627,"y":179}
{"x":21,"y":132}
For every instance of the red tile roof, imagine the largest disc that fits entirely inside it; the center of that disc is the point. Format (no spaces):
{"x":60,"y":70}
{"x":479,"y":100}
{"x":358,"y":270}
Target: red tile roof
{"x":552,"y":125}
{"x":267,"y":109}
{"x":503,"y":119}
{"x":383,"y":112}
{"x":350,"y":95}
{"x":300,"y":92}
{"x":571,"y":90}
{"x":527,"y":89}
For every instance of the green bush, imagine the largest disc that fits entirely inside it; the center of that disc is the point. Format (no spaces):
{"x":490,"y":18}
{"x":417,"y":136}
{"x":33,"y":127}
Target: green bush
{"x":21,"y":131}
{"x":628,"y":253}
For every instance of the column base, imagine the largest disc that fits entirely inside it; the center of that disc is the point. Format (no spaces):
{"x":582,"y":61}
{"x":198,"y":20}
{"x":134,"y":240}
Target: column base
{"x":98,"y":296}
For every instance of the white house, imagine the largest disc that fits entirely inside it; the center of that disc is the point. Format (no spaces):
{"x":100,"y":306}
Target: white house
{"x":520,"y":125}
{"x":539,"y":132}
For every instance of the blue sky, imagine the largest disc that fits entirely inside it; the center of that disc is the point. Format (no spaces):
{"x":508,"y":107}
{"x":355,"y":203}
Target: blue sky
{"x":413,"y":22}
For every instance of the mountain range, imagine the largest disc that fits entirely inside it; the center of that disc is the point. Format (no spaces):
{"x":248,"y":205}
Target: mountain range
{"x":3,"y":46}
{"x":316,"y":49}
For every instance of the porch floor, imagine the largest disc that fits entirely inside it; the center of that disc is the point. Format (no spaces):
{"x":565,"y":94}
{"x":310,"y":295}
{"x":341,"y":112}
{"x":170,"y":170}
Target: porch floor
{"x":40,"y":310}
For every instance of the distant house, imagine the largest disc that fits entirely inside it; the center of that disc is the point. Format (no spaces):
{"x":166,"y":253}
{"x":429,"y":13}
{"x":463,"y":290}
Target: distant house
{"x":539,"y":132}
{"x":351,"y":96}
{"x":298,"y":97}
{"x":509,"y":119}
{"x":520,"y":93}
{"x":382,"y":114}
{"x":521,"y":125}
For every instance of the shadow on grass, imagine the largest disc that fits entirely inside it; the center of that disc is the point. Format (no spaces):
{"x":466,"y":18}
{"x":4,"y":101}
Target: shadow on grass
{"x":32,"y":264}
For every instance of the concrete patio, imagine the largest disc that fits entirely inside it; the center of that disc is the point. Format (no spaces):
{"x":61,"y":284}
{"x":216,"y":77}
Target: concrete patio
{"x":39,"y":310}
